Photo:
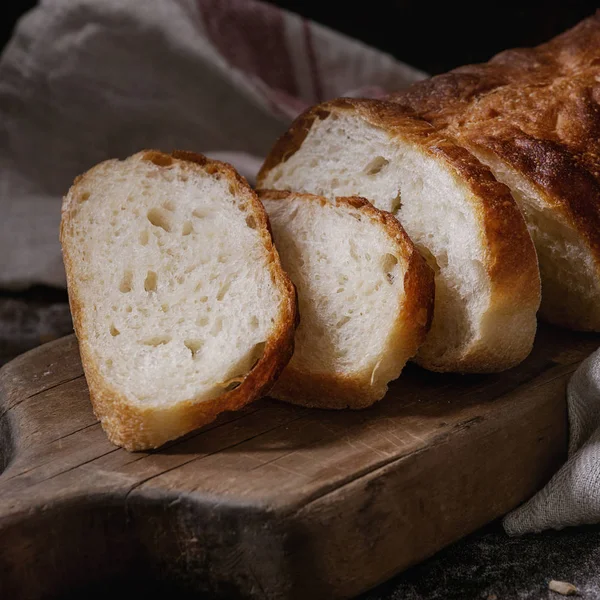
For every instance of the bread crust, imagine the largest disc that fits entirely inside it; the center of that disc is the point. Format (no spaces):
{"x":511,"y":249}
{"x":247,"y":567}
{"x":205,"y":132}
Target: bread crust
{"x":537,"y":110}
{"x":136,"y":427}
{"x":511,"y":260}
{"x":360,"y":390}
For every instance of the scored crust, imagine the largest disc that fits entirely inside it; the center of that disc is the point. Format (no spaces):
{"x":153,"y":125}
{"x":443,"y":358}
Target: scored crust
{"x":137,"y":427}
{"x":510,"y":257}
{"x":406,"y":334}
{"x":536,"y":109}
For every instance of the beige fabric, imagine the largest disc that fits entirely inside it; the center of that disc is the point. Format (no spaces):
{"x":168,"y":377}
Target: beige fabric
{"x":572,"y":497}
{"x":83,"y":80}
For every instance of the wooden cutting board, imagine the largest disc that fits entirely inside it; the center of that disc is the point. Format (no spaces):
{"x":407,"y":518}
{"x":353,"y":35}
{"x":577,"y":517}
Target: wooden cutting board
{"x":275,"y":501}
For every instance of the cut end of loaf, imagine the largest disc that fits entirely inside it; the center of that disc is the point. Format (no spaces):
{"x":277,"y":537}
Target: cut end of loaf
{"x":569,"y":268}
{"x":179,"y":301}
{"x":365,"y":298}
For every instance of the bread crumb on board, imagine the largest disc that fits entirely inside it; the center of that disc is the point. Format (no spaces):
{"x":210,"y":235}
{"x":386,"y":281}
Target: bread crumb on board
{"x":563,"y":588}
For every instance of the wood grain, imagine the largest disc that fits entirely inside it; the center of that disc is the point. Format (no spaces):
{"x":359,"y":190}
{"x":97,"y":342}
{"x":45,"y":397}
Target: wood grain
{"x":275,"y":501}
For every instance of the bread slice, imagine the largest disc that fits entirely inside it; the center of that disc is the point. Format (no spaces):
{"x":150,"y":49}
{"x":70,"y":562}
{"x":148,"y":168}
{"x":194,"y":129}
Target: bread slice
{"x":462,"y":220}
{"x":179,"y":302}
{"x":532,"y":115}
{"x":365,"y":297}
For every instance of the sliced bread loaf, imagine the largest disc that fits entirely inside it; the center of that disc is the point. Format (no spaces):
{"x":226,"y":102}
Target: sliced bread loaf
{"x":533,"y":116}
{"x":465,"y":223}
{"x":179,"y":301}
{"x":365,"y":297}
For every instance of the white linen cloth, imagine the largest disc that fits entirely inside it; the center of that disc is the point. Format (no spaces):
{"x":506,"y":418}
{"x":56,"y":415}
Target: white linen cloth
{"x":86,"y":80}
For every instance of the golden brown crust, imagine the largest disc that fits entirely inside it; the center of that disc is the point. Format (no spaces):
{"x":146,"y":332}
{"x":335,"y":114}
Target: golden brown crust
{"x":511,"y":258}
{"x":538,"y":111}
{"x":407,"y":333}
{"x":138,"y":428}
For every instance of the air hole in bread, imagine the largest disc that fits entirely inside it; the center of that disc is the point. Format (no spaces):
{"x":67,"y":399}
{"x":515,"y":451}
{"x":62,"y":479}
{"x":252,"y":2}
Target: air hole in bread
{"x":150,"y":281}
{"x":158,"y":158}
{"x":126,"y":282}
{"x":113,"y":330}
{"x":217,"y":327}
{"x":429,"y":258}
{"x":203,"y":298}
{"x":257,"y":353}
{"x":109,"y":363}
{"x":157,"y":340}
{"x":85,"y":196}
{"x":128,"y":309}
{"x":232,"y":385}
{"x":201,"y":213}
{"x":376,"y":165}
{"x":232,"y":189}
{"x":389,"y":263}
{"x":396,"y":203}
{"x":223,"y":258}
{"x":144,"y":237}
{"x":193,"y":346}
{"x":158,"y":218}
{"x":251,"y":221}
{"x":202,"y":321}
{"x":254,"y":322}
{"x":187,"y":228}
{"x":342,"y":322}
{"x":169,"y":205}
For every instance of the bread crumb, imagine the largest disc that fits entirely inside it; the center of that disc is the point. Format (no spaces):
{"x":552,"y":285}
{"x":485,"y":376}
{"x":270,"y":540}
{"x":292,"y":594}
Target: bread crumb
{"x":563,"y":588}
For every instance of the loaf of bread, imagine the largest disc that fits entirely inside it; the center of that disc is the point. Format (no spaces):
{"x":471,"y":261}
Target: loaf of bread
{"x":179,"y":301}
{"x":365,"y":297}
{"x":533,"y":116}
{"x":464,"y":222}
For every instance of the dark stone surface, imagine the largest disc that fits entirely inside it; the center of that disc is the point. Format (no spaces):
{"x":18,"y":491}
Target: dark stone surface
{"x":491,"y":565}
{"x":31,"y":319}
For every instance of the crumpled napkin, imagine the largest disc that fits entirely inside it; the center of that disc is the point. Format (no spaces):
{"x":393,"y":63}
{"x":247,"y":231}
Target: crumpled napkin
{"x":82,"y":81}
{"x":572,"y":496}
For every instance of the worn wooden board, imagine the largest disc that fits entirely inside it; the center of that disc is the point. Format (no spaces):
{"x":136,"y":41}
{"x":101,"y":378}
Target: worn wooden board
{"x":276,"y":501}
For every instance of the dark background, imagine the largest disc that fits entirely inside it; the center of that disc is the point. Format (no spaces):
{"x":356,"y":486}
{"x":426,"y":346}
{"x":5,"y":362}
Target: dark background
{"x":433,"y":36}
